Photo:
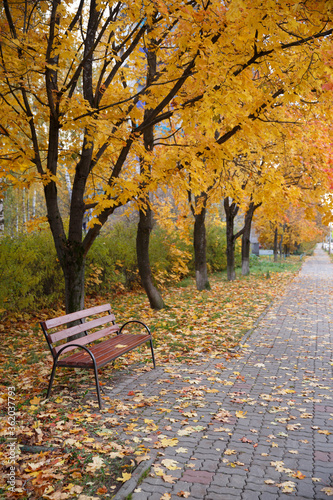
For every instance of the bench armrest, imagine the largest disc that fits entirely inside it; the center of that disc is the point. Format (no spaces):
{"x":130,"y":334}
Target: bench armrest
{"x":76,"y":345}
{"x":135,"y":321}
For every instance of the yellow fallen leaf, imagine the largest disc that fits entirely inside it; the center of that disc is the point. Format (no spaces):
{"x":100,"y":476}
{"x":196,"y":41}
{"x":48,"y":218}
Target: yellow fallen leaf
{"x":327,"y":433}
{"x":158,"y":471}
{"x":169,"y":442}
{"x":170,"y":464}
{"x":181,"y":450}
{"x":287,"y":486}
{"x":241,"y":414}
{"x":96,"y":464}
{"x":142,"y":458}
{"x":230,"y":452}
{"x":35,"y":401}
{"x":166,"y":496}
{"x":119,"y":346}
{"x":125,"y":477}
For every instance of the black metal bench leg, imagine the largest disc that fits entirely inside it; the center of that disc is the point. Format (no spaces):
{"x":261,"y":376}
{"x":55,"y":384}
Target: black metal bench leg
{"x":152,"y":352}
{"x":51,"y":379}
{"x":97,"y":387}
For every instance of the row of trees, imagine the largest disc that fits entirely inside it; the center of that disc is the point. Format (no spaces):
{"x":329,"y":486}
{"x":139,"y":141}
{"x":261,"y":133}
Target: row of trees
{"x":109,"y":101}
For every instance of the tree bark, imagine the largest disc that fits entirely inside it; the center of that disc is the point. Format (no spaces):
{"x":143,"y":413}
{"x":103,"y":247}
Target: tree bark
{"x":142,"y":251}
{"x":280,"y":245}
{"x":73,"y":266}
{"x":200,"y":243}
{"x":145,"y":215}
{"x":231,"y":210}
{"x":2,"y":218}
{"x":276,"y":244}
{"x":246,"y":238}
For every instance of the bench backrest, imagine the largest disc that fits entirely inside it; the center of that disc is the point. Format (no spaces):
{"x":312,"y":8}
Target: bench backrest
{"x":58,"y":330}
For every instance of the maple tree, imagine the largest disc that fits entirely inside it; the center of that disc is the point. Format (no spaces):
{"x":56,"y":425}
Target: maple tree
{"x":145,"y":224}
{"x":288,"y":230}
{"x":73,"y":80}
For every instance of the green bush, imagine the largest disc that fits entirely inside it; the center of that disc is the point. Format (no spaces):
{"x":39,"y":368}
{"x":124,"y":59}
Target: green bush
{"x":217,"y":247}
{"x":31,"y":277}
{"x":112,"y":264}
{"x":111,"y":261}
{"x":29,"y":272}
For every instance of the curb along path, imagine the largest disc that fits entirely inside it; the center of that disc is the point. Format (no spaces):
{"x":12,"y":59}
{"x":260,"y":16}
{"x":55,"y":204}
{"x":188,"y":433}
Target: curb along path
{"x":260,"y":429}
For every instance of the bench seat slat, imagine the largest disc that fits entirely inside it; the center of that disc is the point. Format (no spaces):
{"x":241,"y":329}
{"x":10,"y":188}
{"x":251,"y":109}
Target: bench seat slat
{"x":74,"y":330}
{"x":105,"y":351}
{"x":88,"y":338}
{"x":68,"y":318}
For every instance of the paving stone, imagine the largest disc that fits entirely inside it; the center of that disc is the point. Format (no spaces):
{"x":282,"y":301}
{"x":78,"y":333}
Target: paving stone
{"x":203,"y":477}
{"x":250,"y":495}
{"x":269,"y":496}
{"x":198,"y":490}
{"x":142,"y":495}
{"x":224,"y":493}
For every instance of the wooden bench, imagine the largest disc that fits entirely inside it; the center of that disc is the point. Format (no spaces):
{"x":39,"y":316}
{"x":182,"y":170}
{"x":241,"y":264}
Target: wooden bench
{"x":88,"y":353}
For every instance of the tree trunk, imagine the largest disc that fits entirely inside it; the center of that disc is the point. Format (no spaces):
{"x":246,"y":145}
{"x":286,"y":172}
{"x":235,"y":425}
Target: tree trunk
{"x":246,"y":238}
{"x":231,"y":210}
{"x":73,"y":268}
{"x":2,"y":218}
{"x":199,"y":241}
{"x":145,"y":216}
{"x":280,"y":245}
{"x":276,"y":244}
{"x":142,"y":251}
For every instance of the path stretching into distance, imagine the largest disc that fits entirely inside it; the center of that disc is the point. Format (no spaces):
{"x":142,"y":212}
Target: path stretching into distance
{"x":260,"y":429}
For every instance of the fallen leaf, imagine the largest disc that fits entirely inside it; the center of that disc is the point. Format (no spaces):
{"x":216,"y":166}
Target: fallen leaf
{"x":165,"y":442}
{"x":125,"y":477}
{"x":96,"y":464}
{"x":287,"y":486}
{"x":328,"y":491}
{"x":299,"y":475}
{"x":102,"y":490}
{"x":241,"y":414}
{"x":35,"y":400}
{"x":170,"y":464}
{"x":169,"y":479}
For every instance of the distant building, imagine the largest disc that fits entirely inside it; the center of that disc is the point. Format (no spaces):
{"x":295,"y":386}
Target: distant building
{"x":254,"y":242}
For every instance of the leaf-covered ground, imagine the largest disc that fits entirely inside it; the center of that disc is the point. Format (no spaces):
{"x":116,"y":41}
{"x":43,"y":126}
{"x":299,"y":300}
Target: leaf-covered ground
{"x":62,"y":445}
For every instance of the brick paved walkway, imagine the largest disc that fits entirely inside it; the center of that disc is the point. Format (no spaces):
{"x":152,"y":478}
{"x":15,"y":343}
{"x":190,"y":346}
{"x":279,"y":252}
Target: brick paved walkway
{"x":260,"y":429}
